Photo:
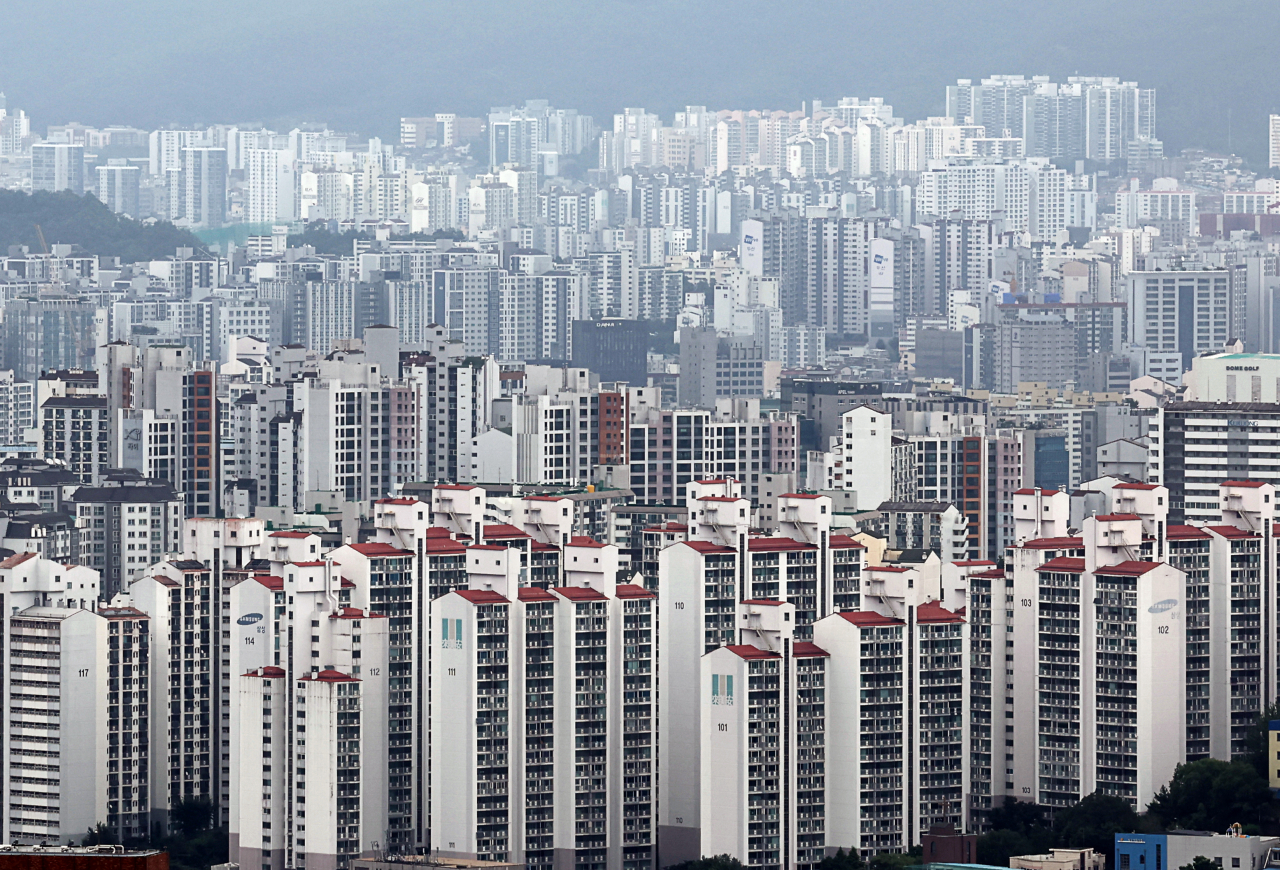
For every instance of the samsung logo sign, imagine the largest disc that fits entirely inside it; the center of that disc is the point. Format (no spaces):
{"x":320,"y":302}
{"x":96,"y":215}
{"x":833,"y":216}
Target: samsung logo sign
{"x":249,"y":619}
{"x":1162,"y":606}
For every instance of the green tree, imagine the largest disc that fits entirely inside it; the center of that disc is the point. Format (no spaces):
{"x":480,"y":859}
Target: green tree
{"x":66,"y":218}
{"x":897,"y":860}
{"x":1094,"y":822}
{"x":1021,"y":816}
{"x":842,"y":860}
{"x":995,"y":848}
{"x":190,"y":816}
{"x":1256,"y":740}
{"x":1211,"y":795}
{"x":317,"y":235}
{"x":1200,"y":862}
{"x":99,"y":835}
{"x":715,"y":862}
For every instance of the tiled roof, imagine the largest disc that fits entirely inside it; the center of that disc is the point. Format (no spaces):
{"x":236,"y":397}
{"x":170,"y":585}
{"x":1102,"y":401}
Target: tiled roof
{"x":1064,"y":564}
{"x":482,"y":596}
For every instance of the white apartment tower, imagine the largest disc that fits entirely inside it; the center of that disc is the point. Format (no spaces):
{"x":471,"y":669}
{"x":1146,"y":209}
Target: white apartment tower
{"x":55,"y":691}
{"x":311,"y":747}
{"x":1110,"y":712}
{"x":542,"y":744}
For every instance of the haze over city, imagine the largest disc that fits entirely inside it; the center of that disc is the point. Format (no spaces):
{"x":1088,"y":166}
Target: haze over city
{"x":640,"y":435}
{"x":360,"y":67}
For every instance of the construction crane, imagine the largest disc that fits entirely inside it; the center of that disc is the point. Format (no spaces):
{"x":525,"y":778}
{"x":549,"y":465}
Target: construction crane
{"x":43,"y":243}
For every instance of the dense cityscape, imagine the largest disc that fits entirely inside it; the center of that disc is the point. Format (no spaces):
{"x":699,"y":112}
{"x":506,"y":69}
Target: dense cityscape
{"x":786,"y":489}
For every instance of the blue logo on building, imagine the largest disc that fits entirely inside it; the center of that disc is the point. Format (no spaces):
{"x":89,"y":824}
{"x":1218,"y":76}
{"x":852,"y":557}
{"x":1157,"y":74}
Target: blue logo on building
{"x":1162,"y":606}
{"x":249,"y":619}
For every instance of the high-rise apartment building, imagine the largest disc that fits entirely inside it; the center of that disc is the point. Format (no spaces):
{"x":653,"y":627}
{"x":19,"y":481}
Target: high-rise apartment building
{"x":1197,"y":444}
{"x":1120,"y":612}
{"x":57,"y":167}
{"x":56,"y":737}
{"x":204,"y":186}
{"x":311,"y":745}
{"x":75,"y":430}
{"x":126,"y":525}
{"x":978,"y":188}
{"x":718,"y":566}
{"x":1184,"y":311}
{"x":118,"y":187}
{"x":544,"y":752}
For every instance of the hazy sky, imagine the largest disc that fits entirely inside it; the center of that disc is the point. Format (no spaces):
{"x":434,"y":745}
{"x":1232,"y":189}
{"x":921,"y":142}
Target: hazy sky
{"x":360,"y":66}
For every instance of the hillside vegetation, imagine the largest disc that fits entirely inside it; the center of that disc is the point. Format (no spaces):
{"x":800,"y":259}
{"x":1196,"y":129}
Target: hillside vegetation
{"x":82,"y":220}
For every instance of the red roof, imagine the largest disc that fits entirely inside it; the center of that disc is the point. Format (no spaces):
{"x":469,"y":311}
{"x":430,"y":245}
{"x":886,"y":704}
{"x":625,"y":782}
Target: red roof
{"x":768,"y":602}
{"x":630,"y":590}
{"x":1186,"y":533}
{"x":720,"y":498}
{"x":454,"y":486}
{"x":868,"y":618}
{"x":717,"y":480}
{"x":1147,"y":486}
{"x":1054,"y":544}
{"x":503,"y":530}
{"x":1252,"y":484}
{"x":745,"y":651}
{"x":1064,"y":564}
{"x":533,"y":593}
{"x":122,"y":613}
{"x":1116,"y":518}
{"x":397,"y":501}
{"x":585,"y":541}
{"x":579,"y":593}
{"x":377,"y":548}
{"x":290,"y":535}
{"x":268,"y":672}
{"x":354,"y":613}
{"x":844,"y":542}
{"x":482,"y":596}
{"x":773,"y":545}
{"x":1233,"y":532}
{"x":799,"y":495}
{"x":347,"y":584}
{"x":933,"y":613}
{"x":1034,"y":491}
{"x":269,"y":581}
{"x":543,"y":497}
{"x":442,"y":547}
{"x":708,"y":547}
{"x":802,"y":649}
{"x":329,"y":676}
{"x":973,"y":563}
{"x":892,"y":569}
{"x":992,"y":574}
{"x":307,"y":564}
{"x":1129,"y":568}
{"x":668,"y":527}
{"x":16,"y":559}
{"x":540,"y":547}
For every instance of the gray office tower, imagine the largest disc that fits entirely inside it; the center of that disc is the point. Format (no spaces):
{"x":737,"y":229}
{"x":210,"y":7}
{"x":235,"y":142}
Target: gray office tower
{"x":616,"y":349}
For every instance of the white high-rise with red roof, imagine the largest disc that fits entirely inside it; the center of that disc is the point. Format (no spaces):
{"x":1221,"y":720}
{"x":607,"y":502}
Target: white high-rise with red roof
{"x":543,"y":705}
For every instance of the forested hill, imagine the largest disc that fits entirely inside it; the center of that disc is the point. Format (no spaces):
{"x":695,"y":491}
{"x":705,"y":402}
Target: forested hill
{"x":82,"y":220}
